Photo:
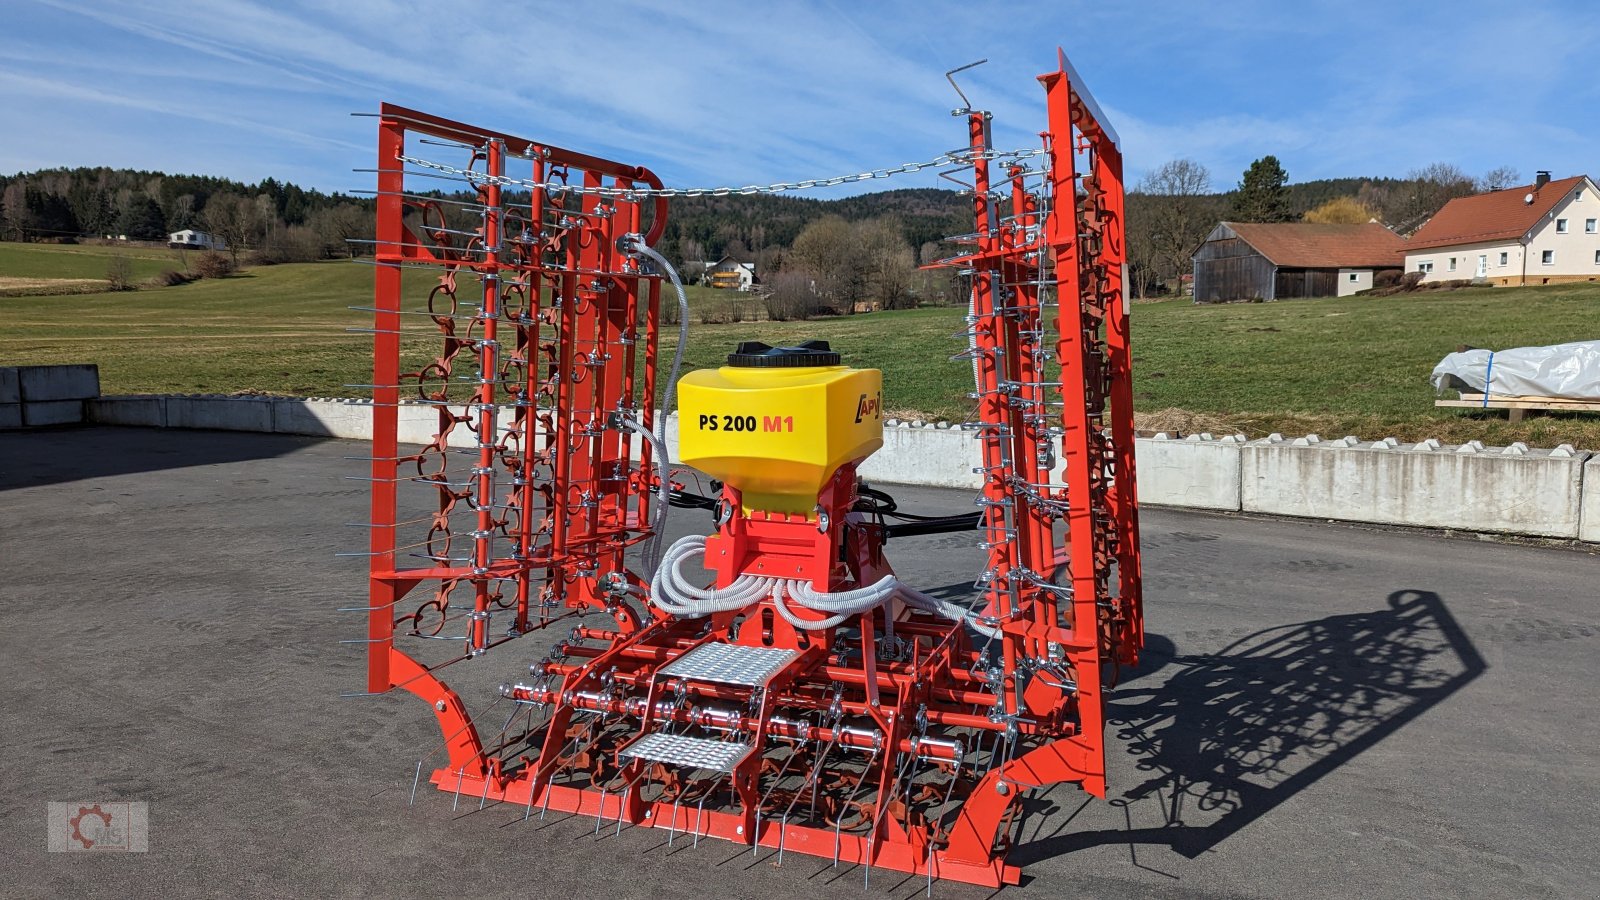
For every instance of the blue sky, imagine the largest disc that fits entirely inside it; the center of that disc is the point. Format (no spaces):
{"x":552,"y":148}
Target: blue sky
{"x":712,"y":93}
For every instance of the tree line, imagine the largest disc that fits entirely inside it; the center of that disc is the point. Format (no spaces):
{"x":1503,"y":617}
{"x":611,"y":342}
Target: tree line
{"x":1173,"y":207}
{"x":813,"y":256}
{"x":277,"y":221}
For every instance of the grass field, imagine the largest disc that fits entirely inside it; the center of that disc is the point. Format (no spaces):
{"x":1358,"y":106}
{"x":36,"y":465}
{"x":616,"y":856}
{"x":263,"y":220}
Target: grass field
{"x":37,"y":263}
{"x":1333,"y":366}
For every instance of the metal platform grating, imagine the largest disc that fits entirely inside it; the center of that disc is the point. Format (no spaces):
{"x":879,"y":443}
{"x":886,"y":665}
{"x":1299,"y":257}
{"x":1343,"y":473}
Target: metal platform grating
{"x":699,"y":753}
{"x":729,"y":664}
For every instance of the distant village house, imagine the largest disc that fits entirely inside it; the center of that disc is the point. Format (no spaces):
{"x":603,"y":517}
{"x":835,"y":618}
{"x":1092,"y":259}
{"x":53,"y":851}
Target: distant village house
{"x":189,"y":239}
{"x":1547,"y":232}
{"x":1246,"y":261}
{"x":730,"y":274}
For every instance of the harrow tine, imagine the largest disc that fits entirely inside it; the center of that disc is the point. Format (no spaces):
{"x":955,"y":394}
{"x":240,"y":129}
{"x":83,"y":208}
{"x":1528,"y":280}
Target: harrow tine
{"x":809,"y":782}
{"x":877,"y":817}
{"x":955,"y":775}
{"x":839,"y":824}
{"x":414,"y":779}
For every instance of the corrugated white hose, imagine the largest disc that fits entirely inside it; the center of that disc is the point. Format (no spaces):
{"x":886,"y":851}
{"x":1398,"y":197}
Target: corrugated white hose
{"x":636,"y":242}
{"x":651,"y":551}
{"x":671,"y":590}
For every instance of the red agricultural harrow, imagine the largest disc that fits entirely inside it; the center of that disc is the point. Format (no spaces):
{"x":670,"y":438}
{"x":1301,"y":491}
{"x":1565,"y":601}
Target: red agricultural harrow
{"x":807,"y":700}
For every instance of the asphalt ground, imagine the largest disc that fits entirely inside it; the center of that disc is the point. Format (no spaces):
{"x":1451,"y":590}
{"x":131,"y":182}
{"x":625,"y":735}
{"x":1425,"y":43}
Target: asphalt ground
{"x":1325,"y":710}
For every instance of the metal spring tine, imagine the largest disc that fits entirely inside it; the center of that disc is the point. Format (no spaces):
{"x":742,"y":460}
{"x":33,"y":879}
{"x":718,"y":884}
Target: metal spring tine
{"x":464,"y":263}
{"x":432,"y":315}
{"x":955,"y":773}
{"x":853,"y":791}
{"x":412,"y":172}
{"x":672,"y":827}
{"x":816,"y":770}
{"x":485,"y":798}
{"x":600,"y":812}
{"x":622,"y":808}
{"x":416,"y":521}
{"x":701,"y":809}
{"x":467,"y":267}
{"x":414,"y":780}
{"x":755,"y":837}
{"x":460,"y":774}
{"x":877,"y":820}
{"x":368,"y":553}
{"x":369,"y":192}
{"x":413,"y":479}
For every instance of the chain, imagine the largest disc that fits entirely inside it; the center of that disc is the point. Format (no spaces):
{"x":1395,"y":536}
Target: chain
{"x":963,"y":157}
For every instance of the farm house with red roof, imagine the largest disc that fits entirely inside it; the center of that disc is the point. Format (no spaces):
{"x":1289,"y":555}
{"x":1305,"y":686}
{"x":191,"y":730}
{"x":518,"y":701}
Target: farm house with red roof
{"x":1547,"y":232}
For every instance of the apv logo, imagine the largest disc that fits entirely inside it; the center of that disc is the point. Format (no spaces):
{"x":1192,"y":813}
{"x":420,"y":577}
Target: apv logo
{"x":869,"y":406}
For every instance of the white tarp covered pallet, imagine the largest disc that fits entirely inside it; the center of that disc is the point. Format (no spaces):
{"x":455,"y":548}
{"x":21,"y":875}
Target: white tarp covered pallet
{"x":1569,"y":371}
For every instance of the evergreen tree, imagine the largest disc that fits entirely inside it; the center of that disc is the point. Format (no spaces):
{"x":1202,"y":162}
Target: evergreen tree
{"x":1262,"y":194}
{"x":51,"y":214}
{"x":143,"y":220}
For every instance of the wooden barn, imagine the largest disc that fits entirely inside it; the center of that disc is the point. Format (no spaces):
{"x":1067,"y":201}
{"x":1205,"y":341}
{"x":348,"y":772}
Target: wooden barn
{"x":1245,"y":261}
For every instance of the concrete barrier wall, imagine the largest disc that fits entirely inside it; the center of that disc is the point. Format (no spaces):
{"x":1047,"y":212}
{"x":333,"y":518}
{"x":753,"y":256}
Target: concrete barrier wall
{"x":1589,"y":528}
{"x":32,"y":396}
{"x":1510,"y":489}
{"x":1198,"y":471}
{"x":1550,"y":493}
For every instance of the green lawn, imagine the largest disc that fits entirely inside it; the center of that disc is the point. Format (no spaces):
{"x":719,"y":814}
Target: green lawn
{"x":80,"y":260}
{"x":1333,"y":366}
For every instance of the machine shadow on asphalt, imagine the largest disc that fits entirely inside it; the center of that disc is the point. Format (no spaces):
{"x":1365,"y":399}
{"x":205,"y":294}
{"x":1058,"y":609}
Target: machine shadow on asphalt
{"x":70,"y":453}
{"x":1225,"y":738}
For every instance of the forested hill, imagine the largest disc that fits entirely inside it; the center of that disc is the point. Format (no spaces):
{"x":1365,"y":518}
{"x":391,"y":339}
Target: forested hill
{"x":284,"y":222}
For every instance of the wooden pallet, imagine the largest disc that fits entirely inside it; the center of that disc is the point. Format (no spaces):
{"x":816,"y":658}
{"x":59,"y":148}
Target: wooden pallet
{"x":1517,"y":406}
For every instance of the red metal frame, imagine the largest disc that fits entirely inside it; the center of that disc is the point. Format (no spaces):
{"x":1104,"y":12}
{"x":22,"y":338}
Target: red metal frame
{"x":912,"y":739}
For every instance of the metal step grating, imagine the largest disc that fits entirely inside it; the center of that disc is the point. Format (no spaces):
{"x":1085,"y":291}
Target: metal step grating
{"x":729,"y":664}
{"x":698,"y":753}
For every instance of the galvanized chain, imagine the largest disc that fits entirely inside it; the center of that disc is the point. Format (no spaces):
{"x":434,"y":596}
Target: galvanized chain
{"x":960,"y":157}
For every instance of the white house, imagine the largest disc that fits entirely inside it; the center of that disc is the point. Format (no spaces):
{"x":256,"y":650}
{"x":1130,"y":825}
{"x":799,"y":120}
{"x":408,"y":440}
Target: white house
{"x":1547,"y":232}
{"x":728,"y":272}
{"x":189,"y":239}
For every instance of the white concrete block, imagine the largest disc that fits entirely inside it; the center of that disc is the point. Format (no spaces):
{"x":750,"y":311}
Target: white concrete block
{"x":1193,"y":472}
{"x":146,"y":411}
{"x":1589,"y":529}
{"x":220,"y":413}
{"x":10,"y":390}
{"x":326,"y":418}
{"x":1468,"y":487}
{"x":10,"y":415}
{"x":52,"y":412}
{"x":47,"y":383}
{"x":936,"y":457}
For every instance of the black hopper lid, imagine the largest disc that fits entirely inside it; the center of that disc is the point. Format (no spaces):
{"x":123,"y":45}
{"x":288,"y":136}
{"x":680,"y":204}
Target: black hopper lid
{"x":757,"y":355}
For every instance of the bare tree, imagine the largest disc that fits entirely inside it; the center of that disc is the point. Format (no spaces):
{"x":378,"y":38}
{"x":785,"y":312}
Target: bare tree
{"x":828,"y":249}
{"x":792,"y":295}
{"x":1499,"y":178}
{"x":1427,"y":190}
{"x":1178,"y":213}
{"x":234,"y":219}
{"x":889,"y":261}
